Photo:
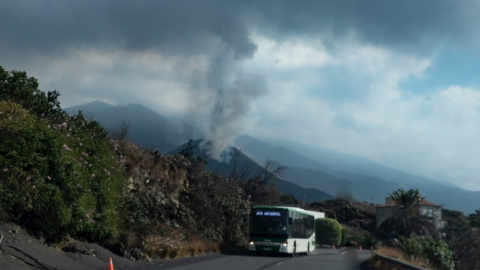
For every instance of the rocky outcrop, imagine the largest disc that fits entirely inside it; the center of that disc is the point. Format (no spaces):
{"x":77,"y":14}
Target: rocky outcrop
{"x":20,"y":250}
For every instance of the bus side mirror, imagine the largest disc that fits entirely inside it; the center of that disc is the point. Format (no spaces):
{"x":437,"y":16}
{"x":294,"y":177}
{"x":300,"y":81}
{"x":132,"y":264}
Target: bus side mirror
{"x":290,"y":221}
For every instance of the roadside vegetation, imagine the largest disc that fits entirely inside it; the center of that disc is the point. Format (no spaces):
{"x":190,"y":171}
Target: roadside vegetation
{"x":416,"y":239}
{"x":64,"y":177}
{"x":328,"y":232}
{"x":60,"y":175}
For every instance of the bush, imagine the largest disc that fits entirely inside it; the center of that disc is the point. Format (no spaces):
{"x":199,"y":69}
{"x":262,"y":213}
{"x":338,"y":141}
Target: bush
{"x":217,"y":205}
{"x":344,"y":237}
{"x":367,"y":241}
{"x":328,"y":231}
{"x":434,"y":251}
{"x":59,"y":175}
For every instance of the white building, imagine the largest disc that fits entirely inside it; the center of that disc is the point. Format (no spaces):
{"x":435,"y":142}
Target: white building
{"x":427,"y":209}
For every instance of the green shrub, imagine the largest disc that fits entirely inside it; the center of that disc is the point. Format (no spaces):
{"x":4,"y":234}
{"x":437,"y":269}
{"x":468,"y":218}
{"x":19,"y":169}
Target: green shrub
{"x":367,"y":241}
{"x":344,"y":237}
{"x":59,"y":175}
{"x":435,"y":251}
{"x":328,"y":231}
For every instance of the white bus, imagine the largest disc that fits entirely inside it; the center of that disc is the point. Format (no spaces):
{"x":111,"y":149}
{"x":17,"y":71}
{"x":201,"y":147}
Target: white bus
{"x":282,"y":229}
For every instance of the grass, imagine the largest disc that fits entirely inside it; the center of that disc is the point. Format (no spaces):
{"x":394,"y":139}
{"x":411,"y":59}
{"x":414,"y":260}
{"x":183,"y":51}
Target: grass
{"x":177,"y":245}
{"x":396,"y":253}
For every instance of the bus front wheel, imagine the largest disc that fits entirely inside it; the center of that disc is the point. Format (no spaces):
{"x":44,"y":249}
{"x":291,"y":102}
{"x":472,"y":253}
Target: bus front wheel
{"x":308,"y":249}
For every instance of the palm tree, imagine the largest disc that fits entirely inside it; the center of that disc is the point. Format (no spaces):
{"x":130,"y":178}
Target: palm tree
{"x":407,"y":201}
{"x":406,"y":217}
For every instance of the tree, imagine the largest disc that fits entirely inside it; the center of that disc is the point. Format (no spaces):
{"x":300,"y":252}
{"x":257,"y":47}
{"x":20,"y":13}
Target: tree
{"x":407,"y":200}
{"x":406,"y":217}
{"x":241,"y":167}
{"x":474,"y":218}
{"x":217,"y":204}
{"x":121,"y":132}
{"x":17,"y":87}
{"x":259,"y":188}
{"x":289,"y":199}
{"x":462,"y":239}
{"x":255,"y":179}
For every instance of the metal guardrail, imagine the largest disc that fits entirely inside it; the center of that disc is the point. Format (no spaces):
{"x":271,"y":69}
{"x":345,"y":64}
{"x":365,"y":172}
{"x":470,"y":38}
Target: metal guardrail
{"x":397,"y":264}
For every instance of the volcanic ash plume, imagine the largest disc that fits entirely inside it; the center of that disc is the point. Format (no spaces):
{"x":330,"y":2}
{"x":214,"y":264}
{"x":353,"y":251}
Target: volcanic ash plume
{"x":233,"y":111}
{"x":233,"y":92}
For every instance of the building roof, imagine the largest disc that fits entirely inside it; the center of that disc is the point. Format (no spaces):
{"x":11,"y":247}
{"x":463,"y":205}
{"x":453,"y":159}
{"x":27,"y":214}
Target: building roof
{"x":423,"y":202}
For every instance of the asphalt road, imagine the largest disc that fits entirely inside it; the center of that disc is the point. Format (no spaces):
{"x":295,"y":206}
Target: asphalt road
{"x":20,"y":251}
{"x":343,"y":259}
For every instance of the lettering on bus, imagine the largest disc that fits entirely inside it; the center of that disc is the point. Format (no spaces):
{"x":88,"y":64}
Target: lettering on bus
{"x":267,"y":213}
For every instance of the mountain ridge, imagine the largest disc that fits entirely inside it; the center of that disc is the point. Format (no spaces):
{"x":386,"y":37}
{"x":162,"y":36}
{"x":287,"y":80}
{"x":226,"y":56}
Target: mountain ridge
{"x":145,"y":127}
{"x":331,"y":172}
{"x":242,"y":167}
{"x":373,"y":182}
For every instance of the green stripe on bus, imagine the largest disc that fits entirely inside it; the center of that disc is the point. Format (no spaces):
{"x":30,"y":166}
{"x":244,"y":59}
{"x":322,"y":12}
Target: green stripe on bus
{"x":267,"y":239}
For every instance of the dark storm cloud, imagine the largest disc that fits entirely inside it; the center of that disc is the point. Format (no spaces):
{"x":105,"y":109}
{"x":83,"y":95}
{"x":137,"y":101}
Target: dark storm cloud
{"x":185,"y":26}
{"x":221,"y":32}
{"x":397,"y":24}
{"x":169,"y":26}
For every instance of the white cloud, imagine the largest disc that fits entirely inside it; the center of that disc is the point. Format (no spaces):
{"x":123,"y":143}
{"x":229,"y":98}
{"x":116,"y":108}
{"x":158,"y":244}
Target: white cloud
{"x":434,"y":134}
{"x":431,"y":135}
{"x":291,"y":54}
{"x":160,"y":82}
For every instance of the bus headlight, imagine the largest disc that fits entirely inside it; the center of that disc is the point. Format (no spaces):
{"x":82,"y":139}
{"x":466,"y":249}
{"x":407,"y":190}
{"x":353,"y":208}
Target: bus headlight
{"x":284,"y":244}
{"x":251,"y":243}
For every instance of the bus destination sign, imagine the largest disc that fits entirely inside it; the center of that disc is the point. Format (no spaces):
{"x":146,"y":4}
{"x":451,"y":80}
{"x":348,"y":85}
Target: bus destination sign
{"x":268,"y":213}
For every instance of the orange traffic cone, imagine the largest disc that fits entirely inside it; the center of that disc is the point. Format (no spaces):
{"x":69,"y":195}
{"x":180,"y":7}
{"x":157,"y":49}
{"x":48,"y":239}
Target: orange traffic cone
{"x":360,"y":248}
{"x":110,"y":264}
{"x":333,"y":246}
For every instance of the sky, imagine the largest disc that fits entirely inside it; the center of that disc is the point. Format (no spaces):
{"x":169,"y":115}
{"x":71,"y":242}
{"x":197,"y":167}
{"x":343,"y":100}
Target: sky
{"x":393,"y":81}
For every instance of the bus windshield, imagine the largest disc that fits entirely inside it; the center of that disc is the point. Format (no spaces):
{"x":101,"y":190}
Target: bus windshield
{"x":266,"y":222}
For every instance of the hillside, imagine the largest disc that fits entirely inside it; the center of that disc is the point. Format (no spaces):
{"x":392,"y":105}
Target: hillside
{"x":309,"y":168}
{"x":145,"y":127}
{"x":242,"y":167}
{"x":63,"y":179}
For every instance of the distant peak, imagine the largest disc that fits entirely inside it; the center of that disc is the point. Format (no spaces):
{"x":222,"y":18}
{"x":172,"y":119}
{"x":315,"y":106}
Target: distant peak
{"x":98,"y":102}
{"x":134,"y":105}
{"x":96,"y":105}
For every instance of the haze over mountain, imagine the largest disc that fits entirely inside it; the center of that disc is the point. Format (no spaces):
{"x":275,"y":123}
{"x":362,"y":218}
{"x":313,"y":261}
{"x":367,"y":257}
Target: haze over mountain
{"x":339,"y":174}
{"x":324,"y":173}
{"x":240,"y":166}
{"x":145,"y":127}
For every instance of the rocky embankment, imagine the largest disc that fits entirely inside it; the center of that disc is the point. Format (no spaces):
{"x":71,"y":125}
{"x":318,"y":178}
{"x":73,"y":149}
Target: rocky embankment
{"x":19,"y":250}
